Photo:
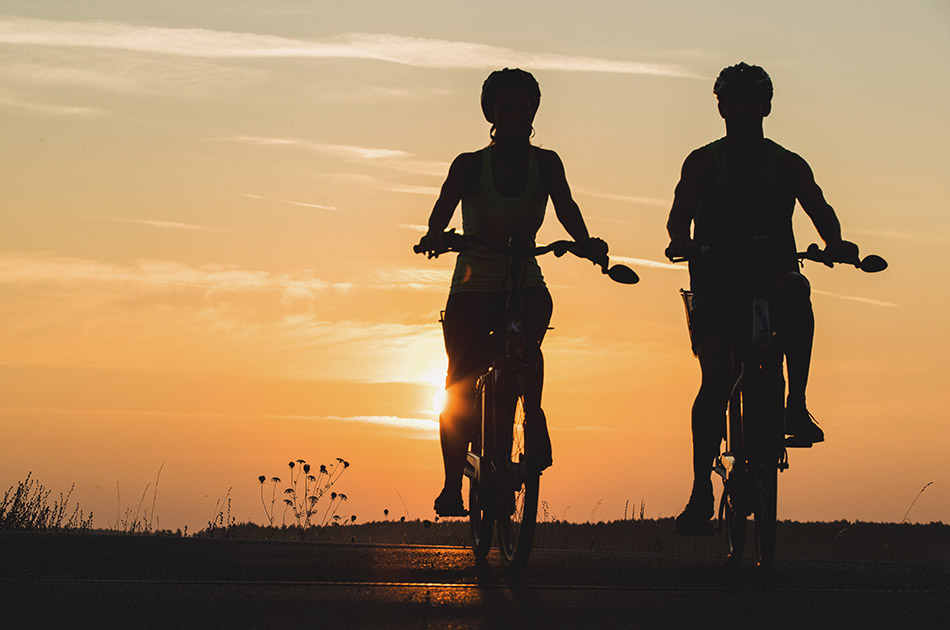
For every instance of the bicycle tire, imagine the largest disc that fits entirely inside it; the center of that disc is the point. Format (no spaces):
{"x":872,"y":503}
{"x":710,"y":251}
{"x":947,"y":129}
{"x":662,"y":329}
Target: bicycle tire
{"x":735,"y":526}
{"x":769,"y":446}
{"x":766,"y":515}
{"x":480,"y":495}
{"x":517,"y":483}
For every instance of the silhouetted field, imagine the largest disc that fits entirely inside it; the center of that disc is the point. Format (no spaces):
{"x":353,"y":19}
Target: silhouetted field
{"x":835,"y":540}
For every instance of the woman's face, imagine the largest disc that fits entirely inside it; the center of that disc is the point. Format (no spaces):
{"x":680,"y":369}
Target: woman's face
{"x":513,"y":113}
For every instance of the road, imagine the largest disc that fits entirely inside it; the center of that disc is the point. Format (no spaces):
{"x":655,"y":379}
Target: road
{"x":112,"y":581}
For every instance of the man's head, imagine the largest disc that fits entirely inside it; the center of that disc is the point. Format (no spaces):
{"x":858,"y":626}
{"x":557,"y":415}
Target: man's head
{"x":510,"y":99}
{"x":744,"y":92}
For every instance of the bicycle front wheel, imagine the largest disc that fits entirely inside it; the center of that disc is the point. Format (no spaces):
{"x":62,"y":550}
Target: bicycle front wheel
{"x":735,"y":525}
{"x":517,"y":483}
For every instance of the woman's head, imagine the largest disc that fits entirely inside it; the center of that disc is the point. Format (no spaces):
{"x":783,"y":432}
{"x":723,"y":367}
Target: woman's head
{"x":510,"y":99}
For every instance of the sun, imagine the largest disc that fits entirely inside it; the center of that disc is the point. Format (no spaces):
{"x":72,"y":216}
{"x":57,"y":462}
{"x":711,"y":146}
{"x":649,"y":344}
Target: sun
{"x":438,"y":401}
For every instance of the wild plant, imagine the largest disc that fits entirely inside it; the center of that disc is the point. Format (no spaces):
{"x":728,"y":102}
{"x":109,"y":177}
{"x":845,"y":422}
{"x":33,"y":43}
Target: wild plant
{"x":141,"y":521}
{"x":302,"y":497}
{"x":222,"y":523}
{"x":26,"y":506}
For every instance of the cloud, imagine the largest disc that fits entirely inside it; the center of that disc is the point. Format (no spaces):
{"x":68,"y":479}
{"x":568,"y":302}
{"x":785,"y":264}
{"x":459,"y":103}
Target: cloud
{"x":367,"y":180}
{"x":640,"y":201}
{"x":919,"y":237}
{"x":423,"y":428}
{"x":855,"y":299}
{"x":410,"y":51}
{"x":52,"y":110}
{"x":167,"y":225}
{"x":23,"y":269}
{"x":293,"y":203}
{"x":420,"y":279}
{"x":394,"y":159}
{"x":643,"y":262}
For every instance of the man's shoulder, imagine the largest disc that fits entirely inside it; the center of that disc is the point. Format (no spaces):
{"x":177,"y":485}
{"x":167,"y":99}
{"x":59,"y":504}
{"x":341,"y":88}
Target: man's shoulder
{"x":789,"y":160}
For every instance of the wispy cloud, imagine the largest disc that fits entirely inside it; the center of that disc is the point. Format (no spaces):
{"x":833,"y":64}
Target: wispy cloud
{"x":643,"y":262}
{"x":166,"y":225}
{"x":41,"y":268}
{"x":415,"y":278}
{"x":410,"y":51}
{"x":375,"y":182}
{"x":922,"y":237}
{"x":293,"y":203}
{"x":420,"y":428}
{"x":394,"y":159}
{"x":854,"y":298}
{"x":50,"y":109}
{"x":639,"y":201}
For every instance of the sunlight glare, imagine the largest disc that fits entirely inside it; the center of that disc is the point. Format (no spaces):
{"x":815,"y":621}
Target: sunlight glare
{"x":438,"y":401}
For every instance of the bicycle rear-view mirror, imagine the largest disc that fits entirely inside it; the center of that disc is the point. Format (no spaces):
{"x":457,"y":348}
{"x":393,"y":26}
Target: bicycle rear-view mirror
{"x":623,"y":274}
{"x":872,"y":263}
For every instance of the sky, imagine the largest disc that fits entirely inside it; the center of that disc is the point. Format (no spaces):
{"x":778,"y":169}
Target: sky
{"x":208,"y":212}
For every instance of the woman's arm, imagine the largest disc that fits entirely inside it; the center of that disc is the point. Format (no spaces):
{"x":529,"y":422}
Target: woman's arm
{"x":458,"y":184}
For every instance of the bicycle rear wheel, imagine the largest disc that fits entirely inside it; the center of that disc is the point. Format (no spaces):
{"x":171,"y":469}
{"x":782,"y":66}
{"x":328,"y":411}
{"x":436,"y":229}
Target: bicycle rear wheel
{"x":480,"y":492}
{"x":766,"y":515}
{"x":517,"y":482}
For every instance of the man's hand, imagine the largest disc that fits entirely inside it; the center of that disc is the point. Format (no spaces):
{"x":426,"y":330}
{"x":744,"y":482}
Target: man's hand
{"x":679,"y":248}
{"x":841,"y":251}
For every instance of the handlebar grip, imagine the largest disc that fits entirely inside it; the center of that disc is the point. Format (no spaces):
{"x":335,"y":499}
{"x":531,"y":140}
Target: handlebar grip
{"x":418,"y":249}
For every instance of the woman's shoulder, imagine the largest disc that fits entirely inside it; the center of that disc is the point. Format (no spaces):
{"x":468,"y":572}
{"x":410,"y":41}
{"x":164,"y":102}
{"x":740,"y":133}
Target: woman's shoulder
{"x":467,"y":162}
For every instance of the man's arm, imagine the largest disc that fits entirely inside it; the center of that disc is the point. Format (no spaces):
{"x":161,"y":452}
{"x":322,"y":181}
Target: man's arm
{"x":686,"y":200}
{"x":813,"y":200}
{"x":820,"y":211}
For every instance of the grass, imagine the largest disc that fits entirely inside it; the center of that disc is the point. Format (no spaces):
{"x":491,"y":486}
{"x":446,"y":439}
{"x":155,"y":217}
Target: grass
{"x":26,"y":507}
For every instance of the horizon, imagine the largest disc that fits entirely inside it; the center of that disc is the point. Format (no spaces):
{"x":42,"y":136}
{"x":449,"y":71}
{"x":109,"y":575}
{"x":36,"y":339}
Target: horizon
{"x":206,"y":264}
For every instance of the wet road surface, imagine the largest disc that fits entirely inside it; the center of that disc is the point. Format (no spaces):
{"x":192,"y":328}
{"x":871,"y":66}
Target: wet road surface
{"x":110,"y":581}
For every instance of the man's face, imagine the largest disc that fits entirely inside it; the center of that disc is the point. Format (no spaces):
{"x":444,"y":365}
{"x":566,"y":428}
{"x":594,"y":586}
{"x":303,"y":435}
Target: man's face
{"x":743,"y":104}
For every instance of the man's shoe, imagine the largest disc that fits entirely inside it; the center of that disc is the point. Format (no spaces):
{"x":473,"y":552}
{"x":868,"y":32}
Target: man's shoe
{"x":449,"y":503}
{"x":802,"y":429}
{"x":694,"y":520}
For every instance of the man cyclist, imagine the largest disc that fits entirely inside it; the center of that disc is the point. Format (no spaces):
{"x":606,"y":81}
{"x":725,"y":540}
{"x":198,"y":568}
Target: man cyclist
{"x":733,"y":190}
{"x":503,"y":189}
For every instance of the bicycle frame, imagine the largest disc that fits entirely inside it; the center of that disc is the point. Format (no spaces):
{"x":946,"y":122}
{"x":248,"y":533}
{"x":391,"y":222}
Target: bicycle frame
{"x":499,"y":466}
{"x":511,"y":378}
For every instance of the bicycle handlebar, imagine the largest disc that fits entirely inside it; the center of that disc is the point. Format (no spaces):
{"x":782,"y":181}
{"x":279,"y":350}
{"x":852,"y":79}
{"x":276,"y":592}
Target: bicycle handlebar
{"x":872,"y":263}
{"x":454,"y":242}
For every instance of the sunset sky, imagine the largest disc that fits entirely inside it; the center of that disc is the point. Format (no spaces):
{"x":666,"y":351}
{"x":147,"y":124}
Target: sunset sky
{"x":208,"y":212}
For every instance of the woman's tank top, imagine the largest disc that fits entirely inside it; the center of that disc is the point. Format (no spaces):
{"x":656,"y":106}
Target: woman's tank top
{"x":491,"y":217}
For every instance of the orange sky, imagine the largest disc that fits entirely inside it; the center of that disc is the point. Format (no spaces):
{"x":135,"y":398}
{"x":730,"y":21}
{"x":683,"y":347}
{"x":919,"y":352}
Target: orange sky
{"x":209,"y":211}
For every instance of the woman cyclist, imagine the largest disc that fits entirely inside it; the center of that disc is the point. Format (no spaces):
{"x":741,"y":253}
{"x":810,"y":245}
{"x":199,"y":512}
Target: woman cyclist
{"x":504,"y":189}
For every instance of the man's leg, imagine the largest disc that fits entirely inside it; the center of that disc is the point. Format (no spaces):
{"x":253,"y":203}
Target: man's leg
{"x":794,"y":320}
{"x":708,"y":425}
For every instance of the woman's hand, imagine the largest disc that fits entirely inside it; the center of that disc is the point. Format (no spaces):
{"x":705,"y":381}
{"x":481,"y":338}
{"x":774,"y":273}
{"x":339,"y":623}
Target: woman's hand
{"x":433,"y":244}
{"x":595,"y":249}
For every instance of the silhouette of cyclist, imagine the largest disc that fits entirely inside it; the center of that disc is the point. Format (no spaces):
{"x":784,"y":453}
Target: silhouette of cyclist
{"x":732,"y":190}
{"x":504,"y":189}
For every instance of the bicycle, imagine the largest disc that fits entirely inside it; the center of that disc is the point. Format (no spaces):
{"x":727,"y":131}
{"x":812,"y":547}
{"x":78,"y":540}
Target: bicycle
{"x":755,"y":443}
{"x":502,"y":465}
